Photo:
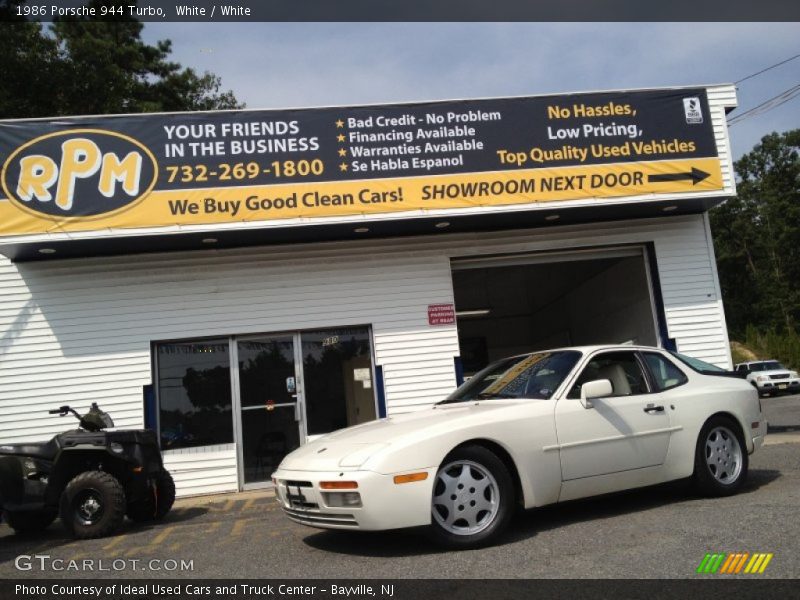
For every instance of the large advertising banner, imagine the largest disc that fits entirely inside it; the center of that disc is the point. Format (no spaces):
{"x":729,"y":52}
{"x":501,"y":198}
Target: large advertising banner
{"x":144,"y":171}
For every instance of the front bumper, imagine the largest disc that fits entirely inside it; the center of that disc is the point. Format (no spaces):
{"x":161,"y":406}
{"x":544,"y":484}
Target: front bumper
{"x":778,"y":385}
{"x":384,"y":504}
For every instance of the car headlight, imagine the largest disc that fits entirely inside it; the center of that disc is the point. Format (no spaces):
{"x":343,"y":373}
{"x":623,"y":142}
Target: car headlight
{"x":761,"y":378}
{"x":342,"y":499}
{"x":793,"y":374}
{"x":360,"y":456}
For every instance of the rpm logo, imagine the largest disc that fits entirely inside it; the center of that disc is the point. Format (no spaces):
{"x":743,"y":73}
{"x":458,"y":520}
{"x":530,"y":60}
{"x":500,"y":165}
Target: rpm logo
{"x":79,"y":173}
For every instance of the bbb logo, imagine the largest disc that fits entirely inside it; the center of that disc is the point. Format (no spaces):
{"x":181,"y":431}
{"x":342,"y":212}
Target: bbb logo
{"x":79,"y":173}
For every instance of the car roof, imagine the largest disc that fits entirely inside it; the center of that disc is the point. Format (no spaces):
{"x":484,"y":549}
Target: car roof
{"x":595,"y":348}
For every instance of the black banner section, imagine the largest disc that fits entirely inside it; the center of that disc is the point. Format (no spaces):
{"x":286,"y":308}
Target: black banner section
{"x":220,"y":11}
{"x":709,"y":588}
{"x":381,"y":141}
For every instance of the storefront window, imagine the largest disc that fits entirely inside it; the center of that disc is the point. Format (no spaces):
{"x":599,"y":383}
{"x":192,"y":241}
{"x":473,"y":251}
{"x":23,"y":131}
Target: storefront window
{"x":337,"y":367}
{"x":194,"y":392}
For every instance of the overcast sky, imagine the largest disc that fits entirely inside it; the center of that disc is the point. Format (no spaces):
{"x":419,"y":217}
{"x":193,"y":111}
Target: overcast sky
{"x":308,"y":64}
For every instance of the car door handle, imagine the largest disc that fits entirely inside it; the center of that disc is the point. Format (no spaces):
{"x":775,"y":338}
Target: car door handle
{"x":651,"y":409}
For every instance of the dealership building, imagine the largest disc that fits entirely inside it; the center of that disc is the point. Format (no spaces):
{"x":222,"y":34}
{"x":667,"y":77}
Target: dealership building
{"x":243,"y":281}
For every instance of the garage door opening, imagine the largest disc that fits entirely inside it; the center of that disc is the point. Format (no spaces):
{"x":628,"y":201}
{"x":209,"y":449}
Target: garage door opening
{"x":513,"y":304}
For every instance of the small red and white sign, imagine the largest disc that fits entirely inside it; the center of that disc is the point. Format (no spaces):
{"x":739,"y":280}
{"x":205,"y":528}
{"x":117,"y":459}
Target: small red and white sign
{"x":441,"y":314}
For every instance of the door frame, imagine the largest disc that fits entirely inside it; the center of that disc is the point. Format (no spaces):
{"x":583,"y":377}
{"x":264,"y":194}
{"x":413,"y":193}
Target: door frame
{"x":300,"y":408}
{"x":236,"y":396}
{"x":644,"y":251}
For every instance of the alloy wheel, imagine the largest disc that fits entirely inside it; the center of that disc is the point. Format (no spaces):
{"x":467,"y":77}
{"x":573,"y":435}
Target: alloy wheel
{"x":723,"y":455}
{"x":465,"y":498}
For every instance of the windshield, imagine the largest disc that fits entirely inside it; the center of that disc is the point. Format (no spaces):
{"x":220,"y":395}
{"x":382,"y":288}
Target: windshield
{"x":698,"y":365}
{"x":770,"y":365}
{"x":535,"y":376}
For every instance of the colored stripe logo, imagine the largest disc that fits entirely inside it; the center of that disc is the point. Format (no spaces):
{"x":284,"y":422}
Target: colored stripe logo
{"x":734,"y":563}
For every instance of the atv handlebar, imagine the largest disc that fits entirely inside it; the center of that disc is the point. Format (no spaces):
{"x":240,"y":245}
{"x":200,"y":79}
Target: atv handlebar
{"x":94,"y":420}
{"x":63,"y":410}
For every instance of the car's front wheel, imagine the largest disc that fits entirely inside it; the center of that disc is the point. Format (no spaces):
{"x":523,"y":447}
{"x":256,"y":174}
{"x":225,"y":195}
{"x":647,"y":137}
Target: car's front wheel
{"x":721,"y":461}
{"x":473,"y":498}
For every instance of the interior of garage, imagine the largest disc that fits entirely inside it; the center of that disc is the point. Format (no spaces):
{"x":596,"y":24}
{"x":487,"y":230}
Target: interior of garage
{"x":514,"y":304}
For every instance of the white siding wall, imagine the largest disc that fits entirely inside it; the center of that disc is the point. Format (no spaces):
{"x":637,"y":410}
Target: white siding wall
{"x":77,"y":331}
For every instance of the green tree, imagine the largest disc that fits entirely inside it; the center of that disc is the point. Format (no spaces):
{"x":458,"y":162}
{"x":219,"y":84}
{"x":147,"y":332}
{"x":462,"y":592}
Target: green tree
{"x":79,"y":66}
{"x":757,"y":239}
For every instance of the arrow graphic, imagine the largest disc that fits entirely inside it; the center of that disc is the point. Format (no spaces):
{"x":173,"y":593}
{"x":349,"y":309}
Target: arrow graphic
{"x":696,"y":175}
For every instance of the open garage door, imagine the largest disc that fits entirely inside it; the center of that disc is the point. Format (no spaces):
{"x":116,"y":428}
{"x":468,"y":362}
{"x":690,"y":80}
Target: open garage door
{"x":518,"y":303}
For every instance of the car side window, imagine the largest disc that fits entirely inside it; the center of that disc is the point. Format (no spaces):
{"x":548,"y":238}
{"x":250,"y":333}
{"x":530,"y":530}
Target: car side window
{"x":665,"y":374}
{"x":620,"y":368}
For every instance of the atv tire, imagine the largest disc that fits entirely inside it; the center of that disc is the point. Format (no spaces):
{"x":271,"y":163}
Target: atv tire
{"x":93,"y":505}
{"x":157,"y":504}
{"x":29,"y":521}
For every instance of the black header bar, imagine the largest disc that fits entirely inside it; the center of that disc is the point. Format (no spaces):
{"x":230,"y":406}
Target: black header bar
{"x":221,"y":11}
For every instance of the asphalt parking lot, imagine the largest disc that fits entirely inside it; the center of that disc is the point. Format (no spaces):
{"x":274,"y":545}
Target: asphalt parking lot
{"x":658,"y":532}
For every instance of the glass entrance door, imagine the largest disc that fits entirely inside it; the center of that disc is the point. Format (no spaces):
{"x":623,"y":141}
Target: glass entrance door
{"x":270,"y":415}
{"x":293,"y":387}
{"x":337,"y":371}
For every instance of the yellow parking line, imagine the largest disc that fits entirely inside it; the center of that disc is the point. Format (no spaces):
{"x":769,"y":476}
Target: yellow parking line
{"x":115,"y":542}
{"x":228,"y":505}
{"x":174,"y":547}
{"x":248,"y":504}
{"x":134,"y":550}
{"x":213,"y":528}
{"x":237,"y":527}
{"x":162,"y":536}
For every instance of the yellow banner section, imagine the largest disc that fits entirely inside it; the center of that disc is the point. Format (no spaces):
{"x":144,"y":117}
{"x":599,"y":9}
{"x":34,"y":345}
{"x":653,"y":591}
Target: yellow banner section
{"x":284,"y":201}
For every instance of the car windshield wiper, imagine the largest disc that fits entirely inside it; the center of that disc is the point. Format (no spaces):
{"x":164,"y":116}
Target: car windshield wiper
{"x":487,"y":395}
{"x":481,"y":396}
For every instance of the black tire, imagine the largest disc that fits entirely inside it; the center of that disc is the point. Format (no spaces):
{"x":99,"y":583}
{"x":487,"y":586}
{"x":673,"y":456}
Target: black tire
{"x":93,"y":505}
{"x":29,"y":521}
{"x":472,"y":464}
{"x":722,"y":477}
{"x":158,"y":503}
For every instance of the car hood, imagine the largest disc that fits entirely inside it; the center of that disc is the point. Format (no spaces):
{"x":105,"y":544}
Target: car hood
{"x":350,"y":448}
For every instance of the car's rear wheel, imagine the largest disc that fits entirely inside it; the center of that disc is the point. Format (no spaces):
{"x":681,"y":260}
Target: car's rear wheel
{"x":473,"y":498}
{"x":721,"y":461}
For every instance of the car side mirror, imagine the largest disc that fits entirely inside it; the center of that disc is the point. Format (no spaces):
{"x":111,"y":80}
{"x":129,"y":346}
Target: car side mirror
{"x":599,"y":388}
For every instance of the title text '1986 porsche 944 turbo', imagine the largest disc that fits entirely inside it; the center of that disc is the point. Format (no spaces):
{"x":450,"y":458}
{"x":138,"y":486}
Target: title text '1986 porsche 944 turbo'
{"x":530,"y":430}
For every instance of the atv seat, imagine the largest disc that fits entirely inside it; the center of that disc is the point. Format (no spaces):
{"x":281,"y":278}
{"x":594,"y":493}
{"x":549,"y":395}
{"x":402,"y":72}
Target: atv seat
{"x":43,"y":450}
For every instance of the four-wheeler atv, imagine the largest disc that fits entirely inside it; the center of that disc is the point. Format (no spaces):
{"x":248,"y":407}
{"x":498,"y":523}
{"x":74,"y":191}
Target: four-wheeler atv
{"x":89,"y":477}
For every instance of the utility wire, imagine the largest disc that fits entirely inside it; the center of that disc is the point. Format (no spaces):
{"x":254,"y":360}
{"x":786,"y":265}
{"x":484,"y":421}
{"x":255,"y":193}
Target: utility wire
{"x":783,"y":62}
{"x":767,"y":105}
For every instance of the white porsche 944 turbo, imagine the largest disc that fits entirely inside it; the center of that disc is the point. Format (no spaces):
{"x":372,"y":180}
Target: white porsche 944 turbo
{"x":528,"y":431}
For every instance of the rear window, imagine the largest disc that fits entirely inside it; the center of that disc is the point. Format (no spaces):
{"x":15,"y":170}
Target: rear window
{"x":666,"y":375}
{"x":701,"y":366}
